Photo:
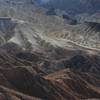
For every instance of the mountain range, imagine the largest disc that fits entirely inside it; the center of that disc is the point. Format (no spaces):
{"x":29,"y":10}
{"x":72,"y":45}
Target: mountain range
{"x":73,"y":6}
{"x":49,"y":51}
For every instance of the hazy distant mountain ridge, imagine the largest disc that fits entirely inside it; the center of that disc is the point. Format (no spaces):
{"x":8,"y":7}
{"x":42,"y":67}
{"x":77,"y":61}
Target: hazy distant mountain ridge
{"x":74,"y":6}
{"x":71,"y":6}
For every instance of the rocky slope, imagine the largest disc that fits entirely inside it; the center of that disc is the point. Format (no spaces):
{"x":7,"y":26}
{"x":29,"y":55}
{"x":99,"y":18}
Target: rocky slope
{"x":42,"y":29}
{"x":68,"y":84}
{"x":95,"y":17}
{"x":25,"y":83}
